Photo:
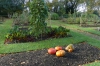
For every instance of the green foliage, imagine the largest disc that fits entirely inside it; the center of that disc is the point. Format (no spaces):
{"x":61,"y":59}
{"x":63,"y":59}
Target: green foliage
{"x":63,"y":6}
{"x":73,"y":20}
{"x":57,"y":32}
{"x":96,"y":12}
{"x":87,"y":15}
{"x":65,"y":15}
{"x":22,"y":19}
{"x":17,"y":35}
{"x":37,"y":28}
{"x":61,"y":32}
{"x":39,"y":13}
{"x":54,"y":16}
{"x":19,"y":31}
{"x":11,"y":6}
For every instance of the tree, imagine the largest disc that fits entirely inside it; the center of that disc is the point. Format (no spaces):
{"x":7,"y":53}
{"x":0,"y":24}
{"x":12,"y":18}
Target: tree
{"x":96,"y":12}
{"x":11,"y":6}
{"x":39,"y":12}
{"x":66,"y":6}
{"x":71,"y":6}
{"x":49,"y":4}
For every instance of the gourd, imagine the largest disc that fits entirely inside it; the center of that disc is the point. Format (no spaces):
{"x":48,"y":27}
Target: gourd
{"x":58,"y":48}
{"x":60,"y":53}
{"x":51,"y":51}
{"x":69,"y":48}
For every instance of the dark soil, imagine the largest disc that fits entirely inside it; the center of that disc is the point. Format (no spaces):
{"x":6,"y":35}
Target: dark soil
{"x":83,"y":53}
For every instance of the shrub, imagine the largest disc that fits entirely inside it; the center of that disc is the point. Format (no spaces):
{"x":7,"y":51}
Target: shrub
{"x":64,"y":20}
{"x":60,"y":32}
{"x":17,"y":35}
{"x":70,"y":20}
{"x":88,"y":15}
{"x":54,"y":16}
{"x":57,"y":32}
{"x":65,"y":16}
{"x":77,"y":20}
{"x":22,"y":19}
{"x":73,"y":20}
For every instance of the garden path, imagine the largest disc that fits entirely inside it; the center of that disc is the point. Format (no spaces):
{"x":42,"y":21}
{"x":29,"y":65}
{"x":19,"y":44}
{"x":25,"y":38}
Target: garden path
{"x":89,"y":34}
{"x":86,"y":33}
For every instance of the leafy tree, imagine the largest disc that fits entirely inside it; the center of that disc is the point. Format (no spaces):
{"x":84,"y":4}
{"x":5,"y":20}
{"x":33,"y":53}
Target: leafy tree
{"x":39,"y":13}
{"x":49,"y":4}
{"x":71,"y":5}
{"x":64,"y":6}
{"x":96,"y":12}
{"x":11,"y":6}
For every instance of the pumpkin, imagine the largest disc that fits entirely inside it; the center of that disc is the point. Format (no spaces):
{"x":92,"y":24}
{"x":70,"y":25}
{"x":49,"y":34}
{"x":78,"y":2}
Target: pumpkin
{"x":58,"y":48}
{"x":60,"y":53}
{"x":51,"y":51}
{"x":70,"y":46}
{"x":70,"y":50}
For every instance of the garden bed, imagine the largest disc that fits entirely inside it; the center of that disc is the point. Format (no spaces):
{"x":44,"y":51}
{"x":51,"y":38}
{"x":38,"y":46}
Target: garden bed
{"x":21,"y":35}
{"x":83,"y":53}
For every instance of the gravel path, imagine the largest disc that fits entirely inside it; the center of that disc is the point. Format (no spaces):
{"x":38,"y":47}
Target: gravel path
{"x":83,"y":53}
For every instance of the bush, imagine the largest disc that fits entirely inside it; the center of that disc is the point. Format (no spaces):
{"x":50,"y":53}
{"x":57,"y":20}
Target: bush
{"x":77,"y":20}
{"x":64,"y":20}
{"x":17,"y":35}
{"x":22,"y":19}
{"x":19,"y":31}
{"x":65,"y":16}
{"x":89,"y":15}
{"x":73,"y":20}
{"x":61,"y":32}
{"x":54,"y":16}
{"x":70,"y":20}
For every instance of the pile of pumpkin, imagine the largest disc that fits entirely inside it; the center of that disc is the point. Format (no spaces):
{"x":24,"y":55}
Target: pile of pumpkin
{"x":59,"y":51}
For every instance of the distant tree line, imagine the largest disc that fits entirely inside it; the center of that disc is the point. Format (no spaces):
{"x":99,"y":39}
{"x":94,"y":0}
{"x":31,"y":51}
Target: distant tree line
{"x":70,"y":6}
{"x":60,"y":7}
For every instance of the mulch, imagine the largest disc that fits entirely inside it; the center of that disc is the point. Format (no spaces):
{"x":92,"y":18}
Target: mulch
{"x":83,"y":53}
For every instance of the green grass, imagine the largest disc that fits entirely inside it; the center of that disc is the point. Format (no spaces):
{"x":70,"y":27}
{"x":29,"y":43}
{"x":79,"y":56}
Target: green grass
{"x":10,"y":48}
{"x":77,"y":37}
{"x":4,"y":28}
{"x":73,"y":26}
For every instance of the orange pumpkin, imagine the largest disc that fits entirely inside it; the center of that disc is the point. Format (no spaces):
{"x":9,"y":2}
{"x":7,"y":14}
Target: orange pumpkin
{"x":58,"y":48}
{"x":60,"y":53}
{"x":51,"y":51}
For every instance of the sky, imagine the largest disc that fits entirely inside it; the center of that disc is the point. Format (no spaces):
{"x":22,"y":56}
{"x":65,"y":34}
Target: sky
{"x":50,"y":0}
{"x":82,"y":8}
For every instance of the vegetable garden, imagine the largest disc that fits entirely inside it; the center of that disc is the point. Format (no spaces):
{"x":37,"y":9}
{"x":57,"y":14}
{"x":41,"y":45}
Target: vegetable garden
{"x":42,"y":38}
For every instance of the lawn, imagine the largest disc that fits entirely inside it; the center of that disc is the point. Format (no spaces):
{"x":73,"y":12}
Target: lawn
{"x":41,"y":44}
{"x":74,"y":26}
{"x":12,"y":48}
